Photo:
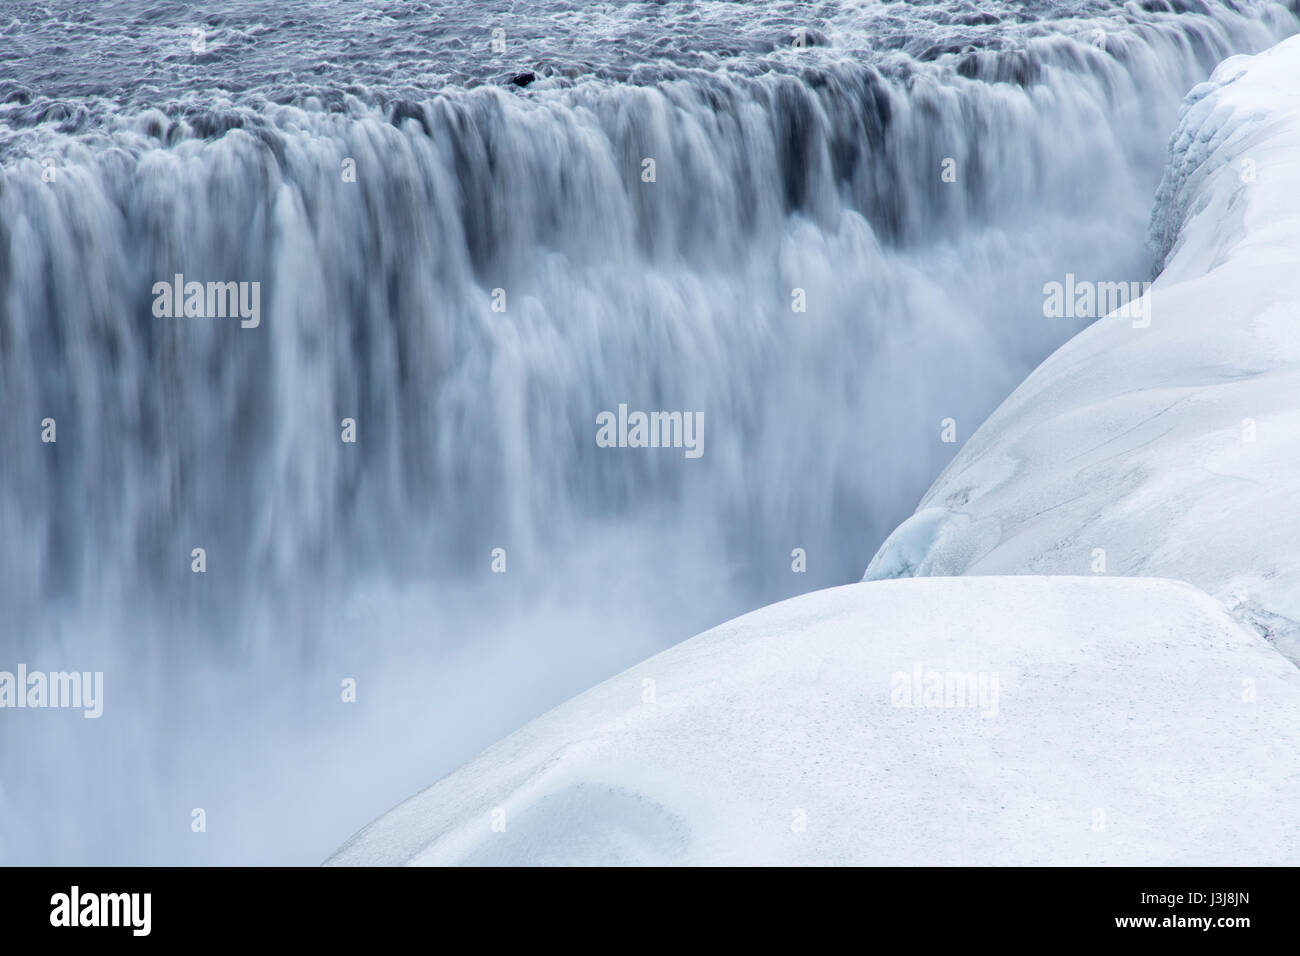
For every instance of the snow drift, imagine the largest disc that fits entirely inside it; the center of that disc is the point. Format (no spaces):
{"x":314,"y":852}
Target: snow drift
{"x":1116,"y":721}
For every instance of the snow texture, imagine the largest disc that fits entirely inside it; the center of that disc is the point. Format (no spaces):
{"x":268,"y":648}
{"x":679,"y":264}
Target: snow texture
{"x":1134,"y":722}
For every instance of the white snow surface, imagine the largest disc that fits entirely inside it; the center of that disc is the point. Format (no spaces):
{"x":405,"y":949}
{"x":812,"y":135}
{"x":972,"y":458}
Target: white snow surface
{"x":1174,"y":448}
{"x":1135,"y":722}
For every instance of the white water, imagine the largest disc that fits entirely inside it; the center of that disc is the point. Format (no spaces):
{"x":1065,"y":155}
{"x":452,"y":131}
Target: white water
{"x":476,"y":429}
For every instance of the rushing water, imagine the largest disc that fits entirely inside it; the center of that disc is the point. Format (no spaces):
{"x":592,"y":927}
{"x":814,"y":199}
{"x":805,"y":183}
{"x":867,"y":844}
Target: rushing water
{"x":378,"y":171}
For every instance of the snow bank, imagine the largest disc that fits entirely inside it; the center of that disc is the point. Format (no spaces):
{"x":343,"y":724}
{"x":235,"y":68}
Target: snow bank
{"x":1110,"y":721}
{"x":1171,"y":450}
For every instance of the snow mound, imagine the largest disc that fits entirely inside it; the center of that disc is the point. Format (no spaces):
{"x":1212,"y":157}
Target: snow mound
{"x":922,"y":721}
{"x":1169,"y":449}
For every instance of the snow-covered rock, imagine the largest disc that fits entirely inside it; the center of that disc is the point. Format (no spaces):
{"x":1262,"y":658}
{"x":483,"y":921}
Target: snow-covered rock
{"x":1109,"y":721}
{"x":1170,"y":449}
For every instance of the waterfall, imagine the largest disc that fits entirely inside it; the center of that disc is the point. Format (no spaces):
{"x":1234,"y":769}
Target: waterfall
{"x":827,"y":252}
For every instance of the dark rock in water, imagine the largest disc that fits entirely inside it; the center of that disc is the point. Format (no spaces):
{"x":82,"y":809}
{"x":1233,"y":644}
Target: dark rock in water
{"x":523,"y":79}
{"x":404,"y":110}
{"x":213,"y":125}
{"x":15,"y":93}
{"x":969,"y":67}
{"x":940,"y":49}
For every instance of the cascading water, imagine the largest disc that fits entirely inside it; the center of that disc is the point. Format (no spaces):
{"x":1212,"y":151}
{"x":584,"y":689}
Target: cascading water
{"x":911,"y":174}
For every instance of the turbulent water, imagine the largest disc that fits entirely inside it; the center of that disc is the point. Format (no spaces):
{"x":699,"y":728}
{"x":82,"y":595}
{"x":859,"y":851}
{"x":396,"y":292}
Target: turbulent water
{"x":393,"y":175}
